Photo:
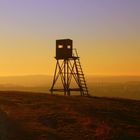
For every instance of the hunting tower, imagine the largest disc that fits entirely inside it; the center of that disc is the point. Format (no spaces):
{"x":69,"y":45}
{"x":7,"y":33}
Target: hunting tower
{"x":68,"y":67}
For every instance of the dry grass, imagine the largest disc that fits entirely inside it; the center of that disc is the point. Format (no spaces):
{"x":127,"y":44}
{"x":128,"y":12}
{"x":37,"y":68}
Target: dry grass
{"x":38,"y":116}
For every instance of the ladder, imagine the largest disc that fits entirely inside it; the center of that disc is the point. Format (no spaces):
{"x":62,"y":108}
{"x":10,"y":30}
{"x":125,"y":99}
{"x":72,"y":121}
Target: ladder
{"x":80,"y":74}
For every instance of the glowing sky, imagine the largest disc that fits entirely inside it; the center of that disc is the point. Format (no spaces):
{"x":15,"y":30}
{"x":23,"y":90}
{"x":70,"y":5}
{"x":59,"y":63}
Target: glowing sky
{"x":105,"y":32}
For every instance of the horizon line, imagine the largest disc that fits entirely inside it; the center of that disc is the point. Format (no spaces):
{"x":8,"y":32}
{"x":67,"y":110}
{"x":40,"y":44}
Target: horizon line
{"x":98,"y":75}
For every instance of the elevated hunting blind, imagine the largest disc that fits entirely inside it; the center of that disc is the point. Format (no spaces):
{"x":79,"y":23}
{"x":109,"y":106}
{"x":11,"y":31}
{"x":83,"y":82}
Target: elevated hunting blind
{"x":68,"y":68}
{"x":64,"y":49}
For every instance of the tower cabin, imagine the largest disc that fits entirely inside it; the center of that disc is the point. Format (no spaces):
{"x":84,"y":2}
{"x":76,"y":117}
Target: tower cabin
{"x":64,"y":48}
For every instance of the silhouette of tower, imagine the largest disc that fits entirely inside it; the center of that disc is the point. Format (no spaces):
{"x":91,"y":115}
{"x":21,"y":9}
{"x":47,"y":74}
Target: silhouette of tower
{"x":68,"y":68}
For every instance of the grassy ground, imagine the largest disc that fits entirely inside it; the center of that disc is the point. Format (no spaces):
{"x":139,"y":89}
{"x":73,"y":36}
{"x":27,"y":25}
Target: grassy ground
{"x":38,"y":116}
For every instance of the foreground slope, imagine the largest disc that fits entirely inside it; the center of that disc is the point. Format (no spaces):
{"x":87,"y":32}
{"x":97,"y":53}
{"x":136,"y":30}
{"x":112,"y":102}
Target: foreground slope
{"x":38,"y":116}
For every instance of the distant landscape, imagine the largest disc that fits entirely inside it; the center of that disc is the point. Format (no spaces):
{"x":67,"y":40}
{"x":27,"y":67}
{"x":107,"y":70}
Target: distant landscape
{"x":29,"y":112}
{"x":100,"y":86}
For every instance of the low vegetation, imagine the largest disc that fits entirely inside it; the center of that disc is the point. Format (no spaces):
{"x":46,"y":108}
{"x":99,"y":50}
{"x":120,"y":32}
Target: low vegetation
{"x":38,"y":116}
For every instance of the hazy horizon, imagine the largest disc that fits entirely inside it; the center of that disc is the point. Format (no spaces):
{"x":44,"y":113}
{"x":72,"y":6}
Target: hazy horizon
{"x":35,"y":80}
{"x":108,"y":86}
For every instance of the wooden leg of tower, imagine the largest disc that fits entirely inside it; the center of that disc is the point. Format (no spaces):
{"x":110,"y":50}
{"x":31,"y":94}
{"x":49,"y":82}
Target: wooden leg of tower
{"x":54,"y":79}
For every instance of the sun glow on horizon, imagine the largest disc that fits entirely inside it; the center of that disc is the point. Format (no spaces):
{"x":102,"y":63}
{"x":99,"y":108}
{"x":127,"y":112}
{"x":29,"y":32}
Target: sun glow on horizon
{"x":106,"y":34}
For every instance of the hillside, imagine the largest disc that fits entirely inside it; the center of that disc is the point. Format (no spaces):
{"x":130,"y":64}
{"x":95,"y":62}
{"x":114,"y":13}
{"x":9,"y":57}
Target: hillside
{"x":38,"y":116}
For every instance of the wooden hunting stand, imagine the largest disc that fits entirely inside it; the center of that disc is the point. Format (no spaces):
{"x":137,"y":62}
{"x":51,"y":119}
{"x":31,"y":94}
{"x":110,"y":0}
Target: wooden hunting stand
{"x":68,"y":67}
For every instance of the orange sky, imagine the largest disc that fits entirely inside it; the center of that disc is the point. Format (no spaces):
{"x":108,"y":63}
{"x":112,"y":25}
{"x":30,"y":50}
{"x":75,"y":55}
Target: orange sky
{"x":106,"y":34}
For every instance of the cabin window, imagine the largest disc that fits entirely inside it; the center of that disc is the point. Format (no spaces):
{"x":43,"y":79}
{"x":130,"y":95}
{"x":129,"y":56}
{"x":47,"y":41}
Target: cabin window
{"x":60,"y":46}
{"x":68,"y":47}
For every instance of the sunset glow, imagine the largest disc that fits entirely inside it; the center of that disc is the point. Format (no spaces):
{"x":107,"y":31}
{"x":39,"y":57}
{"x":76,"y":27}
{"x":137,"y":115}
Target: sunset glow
{"x":105,"y":32}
